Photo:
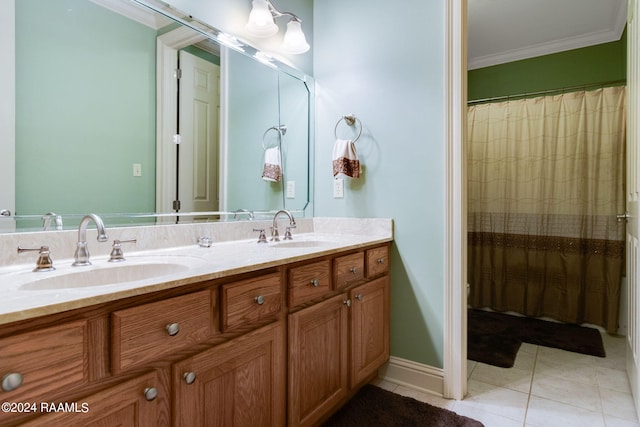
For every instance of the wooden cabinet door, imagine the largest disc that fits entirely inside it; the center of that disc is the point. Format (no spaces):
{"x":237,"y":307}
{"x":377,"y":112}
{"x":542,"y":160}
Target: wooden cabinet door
{"x":318,"y":349}
{"x":238,"y":383}
{"x":369,"y":328}
{"x":134,"y":403}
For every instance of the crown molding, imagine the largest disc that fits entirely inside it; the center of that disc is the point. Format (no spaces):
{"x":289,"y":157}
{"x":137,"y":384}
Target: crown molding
{"x":610,"y":34}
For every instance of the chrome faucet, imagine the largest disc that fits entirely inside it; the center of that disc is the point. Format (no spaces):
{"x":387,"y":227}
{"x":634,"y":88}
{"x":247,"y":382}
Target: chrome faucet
{"x":274,"y":227}
{"x":82,"y":250}
{"x":239,"y":212}
{"x":46,"y":221}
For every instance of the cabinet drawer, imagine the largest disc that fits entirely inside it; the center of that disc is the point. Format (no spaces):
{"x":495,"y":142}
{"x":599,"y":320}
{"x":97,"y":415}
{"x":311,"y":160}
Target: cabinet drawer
{"x":377,"y":261}
{"x":136,"y":402}
{"x":251,"y":301}
{"x":150,"y":331}
{"x":48,"y":360}
{"x":308,"y":282}
{"x":348,"y":270}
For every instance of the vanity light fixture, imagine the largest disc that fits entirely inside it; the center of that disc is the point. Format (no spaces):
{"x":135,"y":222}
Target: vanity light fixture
{"x":262,"y":24}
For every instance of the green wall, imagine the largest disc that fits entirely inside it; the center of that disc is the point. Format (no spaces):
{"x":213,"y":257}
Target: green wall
{"x":400,"y":101}
{"x":85,"y":109}
{"x":252,"y":109}
{"x":590,"y":65}
{"x":260,"y":97}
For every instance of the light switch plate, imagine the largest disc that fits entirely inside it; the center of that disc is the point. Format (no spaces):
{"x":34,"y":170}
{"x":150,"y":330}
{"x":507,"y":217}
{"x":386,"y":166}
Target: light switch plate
{"x":291,"y":189}
{"x":137,"y":169}
{"x":338,"y":188}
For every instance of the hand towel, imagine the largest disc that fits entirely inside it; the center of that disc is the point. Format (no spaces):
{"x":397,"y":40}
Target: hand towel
{"x":272,"y":170}
{"x":345,"y":159}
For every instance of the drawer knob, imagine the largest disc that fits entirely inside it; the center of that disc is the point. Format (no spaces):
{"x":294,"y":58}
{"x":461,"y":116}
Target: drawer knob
{"x":347,"y":302}
{"x":353,"y":270}
{"x":189,"y":377}
{"x":259,"y":300}
{"x":172,"y":329}
{"x":315,"y":283}
{"x":150,"y":393}
{"x":11,"y":381}
{"x":380,"y":260}
{"x":359,"y":297}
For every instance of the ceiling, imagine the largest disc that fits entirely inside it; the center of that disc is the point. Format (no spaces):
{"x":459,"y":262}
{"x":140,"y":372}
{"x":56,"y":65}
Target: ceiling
{"x":503,"y":31}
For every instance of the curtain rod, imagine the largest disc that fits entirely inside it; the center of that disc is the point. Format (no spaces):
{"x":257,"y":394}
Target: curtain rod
{"x":543,"y":92}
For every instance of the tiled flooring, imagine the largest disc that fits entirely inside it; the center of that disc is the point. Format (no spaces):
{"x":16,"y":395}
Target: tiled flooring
{"x":545,"y":388}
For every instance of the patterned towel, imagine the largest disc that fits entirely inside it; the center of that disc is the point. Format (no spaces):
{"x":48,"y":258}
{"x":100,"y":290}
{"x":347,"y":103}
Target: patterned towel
{"x":345,"y":159}
{"x":272,"y":170}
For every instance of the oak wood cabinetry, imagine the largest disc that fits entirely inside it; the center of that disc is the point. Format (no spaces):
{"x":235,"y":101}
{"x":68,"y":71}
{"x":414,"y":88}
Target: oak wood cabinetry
{"x":337,"y":345}
{"x":282,"y":345}
{"x":239,"y":383}
{"x":318,"y":357}
{"x":145,"y":333}
{"x":131,"y":403}
{"x":43,"y":362}
{"x":369,"y":329}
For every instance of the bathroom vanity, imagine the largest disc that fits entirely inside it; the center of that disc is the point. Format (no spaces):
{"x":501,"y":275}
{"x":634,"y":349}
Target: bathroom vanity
{"x":250,"y":335}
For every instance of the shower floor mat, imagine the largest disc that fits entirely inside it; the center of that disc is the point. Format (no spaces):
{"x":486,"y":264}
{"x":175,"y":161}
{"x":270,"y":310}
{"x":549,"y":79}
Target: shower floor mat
{"x":494,"y":338}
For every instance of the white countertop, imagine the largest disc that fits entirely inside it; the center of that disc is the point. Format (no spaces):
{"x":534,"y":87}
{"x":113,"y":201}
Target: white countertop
{"x":25,"y":294}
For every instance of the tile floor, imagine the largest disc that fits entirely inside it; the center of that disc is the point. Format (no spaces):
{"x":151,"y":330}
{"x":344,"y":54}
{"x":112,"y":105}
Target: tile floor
{"x":545,"y":388}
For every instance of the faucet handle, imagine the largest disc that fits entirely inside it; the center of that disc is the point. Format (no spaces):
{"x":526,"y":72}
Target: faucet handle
{"x":116,"y":251}
{"x":287,"y":232}
{"x":262,"y":237}
{"x":44,"y":262}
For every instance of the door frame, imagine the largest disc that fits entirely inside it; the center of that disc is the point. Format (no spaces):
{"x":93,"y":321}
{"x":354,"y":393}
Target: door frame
{"x":633,"y":298}
{"x":8,"y":112}
{"x":167,"y":47}
{"x":455,"y":304}
{"x":455,"y":296}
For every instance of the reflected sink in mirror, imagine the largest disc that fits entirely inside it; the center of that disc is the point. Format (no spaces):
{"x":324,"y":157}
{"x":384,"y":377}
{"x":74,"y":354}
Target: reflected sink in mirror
{"x":106,"y":274}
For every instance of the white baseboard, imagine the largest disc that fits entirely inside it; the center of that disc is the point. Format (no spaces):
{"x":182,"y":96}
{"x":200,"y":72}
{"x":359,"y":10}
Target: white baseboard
{"x":415,"y":375}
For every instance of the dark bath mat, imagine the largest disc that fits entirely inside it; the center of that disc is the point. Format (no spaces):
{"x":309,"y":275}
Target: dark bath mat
{"x":494,"y":338}
{"x":373,"y":406}
{"x":493,"y":349}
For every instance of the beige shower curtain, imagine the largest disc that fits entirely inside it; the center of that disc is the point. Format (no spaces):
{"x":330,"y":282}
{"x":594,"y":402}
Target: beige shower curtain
{"x":546,"y":180}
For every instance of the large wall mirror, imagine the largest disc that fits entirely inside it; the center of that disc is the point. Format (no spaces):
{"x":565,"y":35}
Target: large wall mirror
{"x":102,"y":124}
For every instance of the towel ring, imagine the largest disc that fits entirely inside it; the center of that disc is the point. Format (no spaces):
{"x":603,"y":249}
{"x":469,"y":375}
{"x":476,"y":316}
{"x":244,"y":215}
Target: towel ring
{"x":282,"y":130}
{"x":350,"y":120}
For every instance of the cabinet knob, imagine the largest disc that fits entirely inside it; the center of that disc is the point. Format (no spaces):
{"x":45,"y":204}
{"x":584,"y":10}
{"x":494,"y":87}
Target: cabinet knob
{"x":380,"y":260}
{"x":11,"y":381}
{"x":150,"y":393}
{"x":172,"y":329}
{"x":347,"y":302}
{"x":353,"y":270}
{"x":189,"y":377}
{"x":315,"y":283}
{"x":259,"y":300}
{"x":359,"y":297}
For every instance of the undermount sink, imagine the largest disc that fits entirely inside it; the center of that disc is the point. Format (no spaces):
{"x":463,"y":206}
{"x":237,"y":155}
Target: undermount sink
{"x":299,"y":244}
{"x":103,"y":275}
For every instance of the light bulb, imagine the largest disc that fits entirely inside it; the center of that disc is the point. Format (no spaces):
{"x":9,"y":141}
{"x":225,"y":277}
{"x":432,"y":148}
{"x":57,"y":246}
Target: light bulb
{"x":261,"y":23}
{"x":294,"y":41}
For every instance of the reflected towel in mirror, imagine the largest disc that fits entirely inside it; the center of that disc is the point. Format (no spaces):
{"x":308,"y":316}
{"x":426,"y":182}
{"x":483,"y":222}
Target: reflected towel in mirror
{"x":272,"y":170}
{"x":345,"y":159}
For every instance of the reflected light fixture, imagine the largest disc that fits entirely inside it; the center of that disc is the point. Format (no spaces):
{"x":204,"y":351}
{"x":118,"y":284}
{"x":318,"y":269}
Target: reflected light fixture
{"x":262,"y":24}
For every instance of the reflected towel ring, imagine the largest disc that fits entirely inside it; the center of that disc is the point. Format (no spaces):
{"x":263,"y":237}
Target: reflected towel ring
{"x":282,"y":130}
{"x":350,"y":120}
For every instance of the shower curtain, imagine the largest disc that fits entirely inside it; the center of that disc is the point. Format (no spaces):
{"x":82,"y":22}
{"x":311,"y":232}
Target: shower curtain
{"x":545,"y":182}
